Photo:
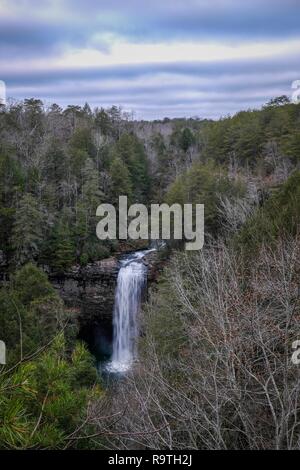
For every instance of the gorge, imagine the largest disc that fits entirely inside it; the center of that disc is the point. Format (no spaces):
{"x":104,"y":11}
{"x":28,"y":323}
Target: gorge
{"x":105,"y":297}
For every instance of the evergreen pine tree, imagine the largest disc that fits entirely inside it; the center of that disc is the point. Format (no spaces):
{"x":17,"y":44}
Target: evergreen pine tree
{"x":120,"y":180}
{"x":27,"y":230}
{"x":62,"y":247}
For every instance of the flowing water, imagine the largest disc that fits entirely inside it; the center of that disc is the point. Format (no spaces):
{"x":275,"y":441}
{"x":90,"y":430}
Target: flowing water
{"x":130,"y":285}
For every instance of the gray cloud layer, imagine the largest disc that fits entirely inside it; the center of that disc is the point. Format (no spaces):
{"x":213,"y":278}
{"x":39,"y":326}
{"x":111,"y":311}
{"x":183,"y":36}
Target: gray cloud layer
{"x":229,"y":85}
{"x":144,"y":21}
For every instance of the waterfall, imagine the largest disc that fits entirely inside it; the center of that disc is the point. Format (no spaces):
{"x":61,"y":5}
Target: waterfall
{"x":130,"y":284}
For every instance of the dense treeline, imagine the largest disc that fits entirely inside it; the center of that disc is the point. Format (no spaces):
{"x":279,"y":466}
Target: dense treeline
{"x":215,"y":369}
{"x":264,"y":141}
{"x":56,"y":167}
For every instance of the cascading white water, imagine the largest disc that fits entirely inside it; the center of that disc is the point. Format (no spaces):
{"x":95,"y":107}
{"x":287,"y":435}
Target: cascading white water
{"x":130,"y":285}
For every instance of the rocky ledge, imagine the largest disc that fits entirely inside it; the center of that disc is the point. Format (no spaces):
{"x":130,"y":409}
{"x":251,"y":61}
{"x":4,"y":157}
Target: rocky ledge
{"x":90,"y":292}
{"x":155,"y":265}
{"x":89,"y":289}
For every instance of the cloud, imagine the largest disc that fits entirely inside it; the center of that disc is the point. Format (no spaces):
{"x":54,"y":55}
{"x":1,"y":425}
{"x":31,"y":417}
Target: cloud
{"x":173,"y":19}
{"x":160,"y":57}
{"x":32,"y":27}
{"x":211,"y":69}
{"x":183,"y":87}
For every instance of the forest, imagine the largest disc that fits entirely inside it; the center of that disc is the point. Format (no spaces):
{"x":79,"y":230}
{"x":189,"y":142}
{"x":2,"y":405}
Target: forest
{"x":214,"y":368}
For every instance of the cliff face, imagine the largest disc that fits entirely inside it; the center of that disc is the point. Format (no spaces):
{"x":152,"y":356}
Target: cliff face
{"x":89,"y":289}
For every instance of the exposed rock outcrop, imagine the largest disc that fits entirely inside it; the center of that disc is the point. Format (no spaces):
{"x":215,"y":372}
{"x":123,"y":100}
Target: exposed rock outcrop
{"x":90,"y":292}
{"x":154,"y":264}
{"x":91,"y":289}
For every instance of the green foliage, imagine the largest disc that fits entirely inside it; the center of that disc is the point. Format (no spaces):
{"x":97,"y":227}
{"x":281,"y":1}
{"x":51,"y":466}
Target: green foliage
{"x":31,"y":284}
{"x":203,"y":184}
{"x":279,"y":216}
{"x":120,"y":180}
{"x":291,"y":146}
{"x":43,"y":402}
{"x":244,"y":136}
{"x":56,"y":166}
{"x":11,"y":178}
{"x":6,"y":224}
{"x":103,"y":122}
{"x":163,"y":174}
{"x":90,"y":193}
{"x":81,"y":148}
{"x":61,"y":251}
{"x":186,"y":139}
{"x":34,"y":113}
{"x":44,"y":389}
{"x":130,"y":151}
{"x":160,"y":312}
{"x":59,"y":162}
{"x":30,"y":313}
{"x":27,"y":233}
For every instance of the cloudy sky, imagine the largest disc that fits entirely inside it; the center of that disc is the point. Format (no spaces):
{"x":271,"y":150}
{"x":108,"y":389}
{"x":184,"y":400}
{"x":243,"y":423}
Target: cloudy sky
{"x":156,"y":57}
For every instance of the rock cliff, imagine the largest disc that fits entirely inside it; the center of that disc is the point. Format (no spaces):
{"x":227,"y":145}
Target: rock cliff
{"x":90,"y":289}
